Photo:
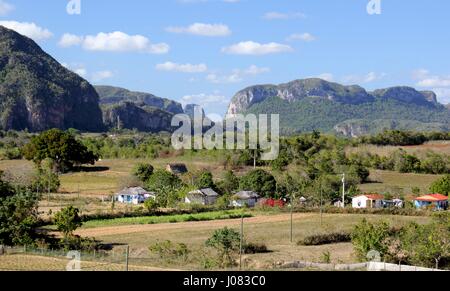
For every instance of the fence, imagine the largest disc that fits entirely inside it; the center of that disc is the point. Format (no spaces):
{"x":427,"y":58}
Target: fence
{"x":370,"y":266}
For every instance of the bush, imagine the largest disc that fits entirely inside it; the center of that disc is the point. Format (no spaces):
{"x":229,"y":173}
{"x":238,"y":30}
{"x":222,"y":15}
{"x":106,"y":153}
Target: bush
{"x":255,"y":248}
{"x":170,"y":251}
{"x":367,"y":237}
{"x":143,"y":172}
{"x":68,"y":220}
{"x":324,"y":239}
{"x":226,"y":242}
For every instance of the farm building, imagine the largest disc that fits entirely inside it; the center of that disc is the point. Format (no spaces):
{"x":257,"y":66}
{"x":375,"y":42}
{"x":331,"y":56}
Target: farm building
{"x":245,"y":198}
{"x":203,"y":196}
{"x":177,"y":169}
{"x":368,"y":201}
{"x":436,"y":201}
{"x":134,"y":195}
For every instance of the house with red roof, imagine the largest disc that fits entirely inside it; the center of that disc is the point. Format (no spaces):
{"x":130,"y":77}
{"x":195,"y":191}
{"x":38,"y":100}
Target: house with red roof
{"x":435,"y":201}
{"x":368,"y":201}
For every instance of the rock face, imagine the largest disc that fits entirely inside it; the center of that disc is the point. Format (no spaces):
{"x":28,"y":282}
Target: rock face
{"x":37,"y":93}
{"x":296,"y":91}
{"x":144,"y":118}
{"x":315,"y":104}
{"x":114,"y":95}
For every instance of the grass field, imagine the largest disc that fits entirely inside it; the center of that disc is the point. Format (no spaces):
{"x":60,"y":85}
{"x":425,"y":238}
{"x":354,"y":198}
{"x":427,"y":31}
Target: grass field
{"x":272,"y":230}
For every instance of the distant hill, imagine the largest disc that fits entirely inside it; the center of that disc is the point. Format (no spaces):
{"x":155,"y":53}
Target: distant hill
{"x":37,"y":93}
{"x":315,"y":104}
{"x":129,"y":115}
{"x":114,"y":95}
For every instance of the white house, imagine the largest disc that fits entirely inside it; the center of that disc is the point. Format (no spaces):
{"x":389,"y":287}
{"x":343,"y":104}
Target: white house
{"x":245,"y":198}
{"x":134,"y":195}
{"x":368,"y":201}
{"x":203,"y":197}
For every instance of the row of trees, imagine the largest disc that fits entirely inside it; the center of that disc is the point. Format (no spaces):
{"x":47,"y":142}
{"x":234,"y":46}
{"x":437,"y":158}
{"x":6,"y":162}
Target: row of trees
{"x":404,"y":162}
{"x":403,"y":138}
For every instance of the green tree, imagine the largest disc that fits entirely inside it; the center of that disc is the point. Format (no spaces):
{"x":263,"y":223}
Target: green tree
{"x":60,"y":147}
{"x":18,"y":215}
{"x":205,"y":180}
{"x":143,"y":172}
{"x":68,"y":220}
{"x":229,"y":184}
{"x":368,"y":237}
{"x":226,"y":242}
{"x":259,"y":181}
{"x":441,"y":186}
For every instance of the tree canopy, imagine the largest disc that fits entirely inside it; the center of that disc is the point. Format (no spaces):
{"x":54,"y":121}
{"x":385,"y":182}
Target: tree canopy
{"x":59,"y":146}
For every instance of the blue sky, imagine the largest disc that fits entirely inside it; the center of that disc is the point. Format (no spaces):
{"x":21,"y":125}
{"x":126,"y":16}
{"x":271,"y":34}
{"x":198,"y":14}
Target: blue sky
{"x":204,"y":51}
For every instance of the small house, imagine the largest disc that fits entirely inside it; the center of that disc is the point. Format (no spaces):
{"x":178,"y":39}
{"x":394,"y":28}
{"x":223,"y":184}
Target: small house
{"x":134,"y":195}
{"x":368,"y":201}
{"x":177,"y":169}
{"x":203,"y":197}
{"x":436,"y":201}
{"x":245,"y":199}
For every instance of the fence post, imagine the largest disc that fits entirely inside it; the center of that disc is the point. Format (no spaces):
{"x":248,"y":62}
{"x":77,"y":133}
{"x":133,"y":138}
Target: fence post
{"x":127,"y":254}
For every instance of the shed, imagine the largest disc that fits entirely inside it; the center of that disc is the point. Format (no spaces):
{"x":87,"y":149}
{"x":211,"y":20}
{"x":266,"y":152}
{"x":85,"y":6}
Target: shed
{"x":134,"y":195}
{"x":177,"y":169}
{"x":203,"y":196}
{"x":245,"y":198}
{"x":368,"y":201}
{"x":436,"y":201}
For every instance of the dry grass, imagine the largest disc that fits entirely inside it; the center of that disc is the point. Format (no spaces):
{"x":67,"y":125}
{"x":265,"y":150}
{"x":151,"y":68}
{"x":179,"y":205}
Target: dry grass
{"x":397,"y":183}
{"x":272,"y":230}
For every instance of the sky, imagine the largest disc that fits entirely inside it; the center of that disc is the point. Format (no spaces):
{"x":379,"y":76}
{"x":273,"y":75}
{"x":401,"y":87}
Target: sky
{"x":204,"y":51}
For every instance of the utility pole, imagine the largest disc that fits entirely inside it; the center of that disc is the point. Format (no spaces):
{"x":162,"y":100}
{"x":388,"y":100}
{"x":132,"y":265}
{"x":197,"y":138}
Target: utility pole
{"x":321,"y":204}
{"x":292,"y":217}
{"x":241,"y":242}
{"x":343,"y":190}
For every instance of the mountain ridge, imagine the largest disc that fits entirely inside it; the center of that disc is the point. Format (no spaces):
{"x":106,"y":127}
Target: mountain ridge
{"x":316,"y":104}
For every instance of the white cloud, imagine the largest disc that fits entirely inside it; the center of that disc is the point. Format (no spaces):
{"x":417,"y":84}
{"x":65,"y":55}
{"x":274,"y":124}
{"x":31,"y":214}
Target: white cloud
{"x":82,"y":71}
{"x":68,"y":40}
{"x":307,"y":37}
{"x":224,"y":79}
{"x":255,"y":48}
{"x":5,"y":8}
{"x":326,"y":76}
{"x":114,"y":42}
{"x":28,"y":29}
{"x":101,"y":75}
{"x":182,"y":68}
{"x":202,"y":29}
{"x":237,"y":75}
{"x":439,"y":84}
{"x":443,"y":95}
{"x":204,"y":99}
{"x":358,"y":79}
{"x":273,"y":15}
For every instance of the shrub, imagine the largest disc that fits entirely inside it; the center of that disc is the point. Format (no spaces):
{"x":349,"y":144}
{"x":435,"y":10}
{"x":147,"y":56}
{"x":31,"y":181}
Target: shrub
{"x":255,"y":248}
{"x":324,"y":239}
{"x":170,"y":251}
{"x":68,"y":220}
{"x":143,"y":172}
{"x":226,"y":242}
{"x":367,"y":237}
